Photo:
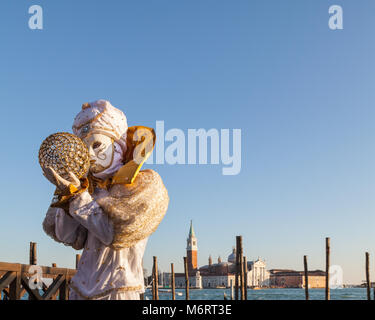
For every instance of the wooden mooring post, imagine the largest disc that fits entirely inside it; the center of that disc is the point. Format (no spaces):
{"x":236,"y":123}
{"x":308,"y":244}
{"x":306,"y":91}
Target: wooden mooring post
{"x":237,"y":273}
{"x":368,"y":285}
{"x":245,"y":276}
{"x":78,"y":257}
{"x":328,"y":251}
{"x":33,"y":262}
{"x":54,"y":265}
{"x":231,"y":290}
{"x":239,"y":269}
{"x":186,"y":279}
{"x":155,"y":280}
{"x":306,"y":277}
{"x":32,"y":254}
{"x":173,"y":283}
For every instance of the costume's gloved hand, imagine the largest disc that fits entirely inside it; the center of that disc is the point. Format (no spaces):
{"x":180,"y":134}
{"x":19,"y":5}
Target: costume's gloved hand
{"x":63,"y":185}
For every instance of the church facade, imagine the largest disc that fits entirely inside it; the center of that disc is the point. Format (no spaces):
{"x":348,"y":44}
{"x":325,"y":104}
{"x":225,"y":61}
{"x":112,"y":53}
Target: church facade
{"x":216,"y":275}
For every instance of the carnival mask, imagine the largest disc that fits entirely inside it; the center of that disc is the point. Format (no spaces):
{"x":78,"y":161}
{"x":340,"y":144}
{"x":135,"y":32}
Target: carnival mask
{"x":101,"y":151}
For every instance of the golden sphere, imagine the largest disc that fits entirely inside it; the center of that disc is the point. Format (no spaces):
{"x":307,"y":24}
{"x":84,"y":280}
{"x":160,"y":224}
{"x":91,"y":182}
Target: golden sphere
{"x":65,"y":152}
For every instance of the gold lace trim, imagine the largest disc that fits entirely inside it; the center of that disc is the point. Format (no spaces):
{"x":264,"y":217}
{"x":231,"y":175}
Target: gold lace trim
{"x":106,"y":131}
{"x":104,"y":293}
{"x":91,"y":120}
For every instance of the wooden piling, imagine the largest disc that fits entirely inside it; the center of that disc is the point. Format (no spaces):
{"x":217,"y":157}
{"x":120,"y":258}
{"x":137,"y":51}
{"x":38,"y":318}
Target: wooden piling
{"x":231,"y":289}
{"x":32,"y":253}
{"x":237,"y":274}
{"x":173,"y":283}
{"x":186,"y":279}
{"x":242,"y":272}
{"x":78,"y":257}
{"x":240,"y":269}
{"x":368,"y":285}
{"x":32,"y":260}
{"x":328,"y":248}
{"x":152,"y":281}
{"x":306,"y":277}
{"x":45,"y":288}
{"x":155,"y":280}
{"x":245,"y":276}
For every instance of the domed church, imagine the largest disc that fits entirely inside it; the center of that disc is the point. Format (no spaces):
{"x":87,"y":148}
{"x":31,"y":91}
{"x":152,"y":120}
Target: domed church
{"x":220,"y":274}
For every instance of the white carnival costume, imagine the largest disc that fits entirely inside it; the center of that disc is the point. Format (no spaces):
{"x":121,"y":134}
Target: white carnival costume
{"x":110,"y":218}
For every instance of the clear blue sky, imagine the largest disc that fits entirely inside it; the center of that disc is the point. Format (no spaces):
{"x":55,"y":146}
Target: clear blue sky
{"x":302,"y":94}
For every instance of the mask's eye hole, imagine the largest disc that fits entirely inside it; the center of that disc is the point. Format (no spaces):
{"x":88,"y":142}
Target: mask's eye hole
{"x":96,"y":144}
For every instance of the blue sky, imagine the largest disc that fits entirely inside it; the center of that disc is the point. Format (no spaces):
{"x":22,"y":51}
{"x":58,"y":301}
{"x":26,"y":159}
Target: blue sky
{"x":301,"y":93}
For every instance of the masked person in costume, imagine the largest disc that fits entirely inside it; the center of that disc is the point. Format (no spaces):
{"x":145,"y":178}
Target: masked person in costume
{"x":110,"y":213}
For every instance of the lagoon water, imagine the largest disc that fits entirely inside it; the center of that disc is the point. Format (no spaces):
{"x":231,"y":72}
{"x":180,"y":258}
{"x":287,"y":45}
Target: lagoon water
{"x":269,"y":294}
{"x":263,"y":294}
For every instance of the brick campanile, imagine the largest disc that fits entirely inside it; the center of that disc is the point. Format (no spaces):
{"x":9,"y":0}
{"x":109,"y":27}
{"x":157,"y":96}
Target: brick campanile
{"x":192,"y":250}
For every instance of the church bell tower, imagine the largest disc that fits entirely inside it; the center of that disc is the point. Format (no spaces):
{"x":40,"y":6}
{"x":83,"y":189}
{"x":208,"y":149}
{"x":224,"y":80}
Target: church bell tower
{"x":192,"y":250}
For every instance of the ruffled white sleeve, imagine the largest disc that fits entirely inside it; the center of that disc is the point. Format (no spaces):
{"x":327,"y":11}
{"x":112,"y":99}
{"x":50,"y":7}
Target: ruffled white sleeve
{"x":62,"y":228}
{"x":65,"y":227}
{"x":88,"y":213}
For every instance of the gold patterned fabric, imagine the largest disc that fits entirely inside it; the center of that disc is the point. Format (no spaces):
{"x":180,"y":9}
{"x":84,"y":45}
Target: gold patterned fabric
{"x":135,"y":209}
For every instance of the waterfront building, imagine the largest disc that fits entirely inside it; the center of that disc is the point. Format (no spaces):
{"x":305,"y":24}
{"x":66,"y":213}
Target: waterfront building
{"x":220,"y":274}
{"x":257,"y":275}
{"x":281,"y":278}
